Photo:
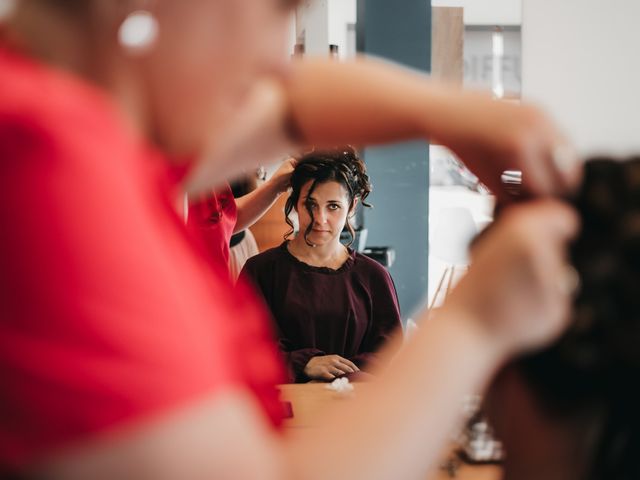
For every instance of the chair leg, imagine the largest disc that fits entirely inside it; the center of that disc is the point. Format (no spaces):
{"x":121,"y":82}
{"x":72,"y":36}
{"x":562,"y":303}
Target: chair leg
{"x":448,"y":273}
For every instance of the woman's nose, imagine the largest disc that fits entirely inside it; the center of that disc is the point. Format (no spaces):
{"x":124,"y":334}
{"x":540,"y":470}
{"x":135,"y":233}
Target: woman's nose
{"x":320,"y":218}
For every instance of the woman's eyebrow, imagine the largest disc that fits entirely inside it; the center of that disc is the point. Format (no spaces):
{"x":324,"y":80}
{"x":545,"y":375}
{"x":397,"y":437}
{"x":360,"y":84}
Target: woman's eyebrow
{"x":313,"y":199}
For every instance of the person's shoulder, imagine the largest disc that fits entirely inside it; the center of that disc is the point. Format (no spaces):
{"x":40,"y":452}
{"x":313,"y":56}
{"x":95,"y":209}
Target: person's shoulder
{"x":369,"y":266}
{"x":24,"y":110}
{"x":40,"y":106}
{"x":265,"y":259}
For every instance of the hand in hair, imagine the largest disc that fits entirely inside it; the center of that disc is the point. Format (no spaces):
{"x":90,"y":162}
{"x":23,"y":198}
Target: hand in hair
{"x":589,"y":375}
{"x":513,"y":288}
{"x":282,"y":176}
{"x":491,"y":137}
{"x":331,"y":104}
{"x":328,"y":367}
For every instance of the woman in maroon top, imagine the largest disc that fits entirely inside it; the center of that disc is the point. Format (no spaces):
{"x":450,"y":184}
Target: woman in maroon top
{"x":334,"y":308}
{"x":123,"y":354}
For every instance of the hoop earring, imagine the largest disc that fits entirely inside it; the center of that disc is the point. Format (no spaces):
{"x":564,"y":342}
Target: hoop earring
{"x":7,"y":7}
{"x":139,"y":32}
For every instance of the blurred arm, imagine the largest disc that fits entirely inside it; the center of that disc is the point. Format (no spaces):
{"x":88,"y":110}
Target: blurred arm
{"x":371,"y":102}
{"x":509,"y":302}
{"x":392,"y":433}
{"x":254,"y":205}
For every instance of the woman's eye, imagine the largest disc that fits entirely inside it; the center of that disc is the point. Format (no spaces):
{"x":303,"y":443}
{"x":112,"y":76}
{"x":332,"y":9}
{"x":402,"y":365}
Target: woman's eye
{"x":334,"y":207}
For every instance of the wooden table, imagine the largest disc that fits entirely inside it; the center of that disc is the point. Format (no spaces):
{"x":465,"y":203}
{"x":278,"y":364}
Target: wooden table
{"x":310,"y":399}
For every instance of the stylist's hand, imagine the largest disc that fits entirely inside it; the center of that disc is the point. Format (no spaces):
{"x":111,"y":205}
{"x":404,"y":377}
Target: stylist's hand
{"x":252,"y":135}
{"x":328,"y":367}
{"x":282,"y":176}
{"x":519,"y":288}
{"x":493,"y":136}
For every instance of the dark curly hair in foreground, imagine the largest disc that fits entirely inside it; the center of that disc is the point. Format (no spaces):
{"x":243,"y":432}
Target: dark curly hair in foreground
{"x":341,"y":165}
{"x":595,"y":366}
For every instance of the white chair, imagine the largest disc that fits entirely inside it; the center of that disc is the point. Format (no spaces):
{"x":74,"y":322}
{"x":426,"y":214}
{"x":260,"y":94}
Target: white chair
{"x":454,"y":229}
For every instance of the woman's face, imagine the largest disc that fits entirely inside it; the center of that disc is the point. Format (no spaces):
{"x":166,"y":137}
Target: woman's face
{"x":208,"y":56}
{"x":329,"y":203}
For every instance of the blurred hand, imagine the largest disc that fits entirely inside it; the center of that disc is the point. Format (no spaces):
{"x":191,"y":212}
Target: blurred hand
{"x":493,"y":136}
{"x":252,"y":135}
{"x":282,"y":176}
{"x":328,"y":367}
{"x":519,"y":286}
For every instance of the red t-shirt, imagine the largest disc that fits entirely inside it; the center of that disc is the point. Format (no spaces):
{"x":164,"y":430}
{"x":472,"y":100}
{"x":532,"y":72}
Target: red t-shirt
{"x":109,"y":311}
{"x":213,"y":217}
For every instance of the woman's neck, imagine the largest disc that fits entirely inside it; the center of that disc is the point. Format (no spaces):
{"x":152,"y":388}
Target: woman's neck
{"x":539,"y":444}
{"x":544,"y":468}
{"x":51,"y":35}
{"x":547,"y":449}
{"x":331,"y":255}
{"x":78,"y":46}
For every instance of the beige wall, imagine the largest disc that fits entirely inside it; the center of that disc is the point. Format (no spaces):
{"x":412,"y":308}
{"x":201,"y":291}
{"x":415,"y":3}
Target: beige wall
{"x":487,"y":12}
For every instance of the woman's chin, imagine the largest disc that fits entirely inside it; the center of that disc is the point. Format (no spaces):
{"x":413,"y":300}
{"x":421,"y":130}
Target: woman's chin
{"x":320,"y":238}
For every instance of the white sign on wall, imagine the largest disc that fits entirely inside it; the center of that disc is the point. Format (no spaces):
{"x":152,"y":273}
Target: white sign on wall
{"x":479,"y":58}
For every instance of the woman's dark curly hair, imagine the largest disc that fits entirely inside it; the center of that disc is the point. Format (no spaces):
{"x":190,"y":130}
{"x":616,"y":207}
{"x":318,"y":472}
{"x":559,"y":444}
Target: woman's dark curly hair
{"x":595,"y":366}
{"x":343,"y":166}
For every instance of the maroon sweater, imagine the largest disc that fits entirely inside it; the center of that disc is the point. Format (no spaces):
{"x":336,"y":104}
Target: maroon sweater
{"x":319,"y":311}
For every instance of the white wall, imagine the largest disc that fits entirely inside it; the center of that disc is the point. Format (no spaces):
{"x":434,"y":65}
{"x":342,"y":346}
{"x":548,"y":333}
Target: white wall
{"x":580,"y":60}
{"x":324,"y":22}
{"x":487,"y":12}
{"x":341,"y":13}
{"x":313,"y":19}
{"x":291,"y":40}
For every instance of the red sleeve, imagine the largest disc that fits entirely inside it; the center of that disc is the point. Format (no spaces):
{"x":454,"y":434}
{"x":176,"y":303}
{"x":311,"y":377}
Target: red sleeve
{"x":212,"y":217}
{"x":106,"y":315}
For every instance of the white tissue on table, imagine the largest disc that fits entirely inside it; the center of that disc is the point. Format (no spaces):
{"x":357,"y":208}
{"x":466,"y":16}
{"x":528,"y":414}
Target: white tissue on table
{"x":340,"y":385}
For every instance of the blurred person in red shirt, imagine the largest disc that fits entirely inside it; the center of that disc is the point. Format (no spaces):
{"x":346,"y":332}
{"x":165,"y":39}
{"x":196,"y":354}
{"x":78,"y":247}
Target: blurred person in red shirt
{"x":116,"y":359}
{"x":218,"y":215}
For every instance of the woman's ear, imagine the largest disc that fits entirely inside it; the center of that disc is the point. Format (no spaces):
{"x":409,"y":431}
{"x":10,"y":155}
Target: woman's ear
{"x":352,"y":211}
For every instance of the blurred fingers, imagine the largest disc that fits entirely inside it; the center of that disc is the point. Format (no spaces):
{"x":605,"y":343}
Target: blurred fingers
{"x":568,"y":281}
{"x":350,"y":364}
{"x":343,"y":368}
{"x":546,"y":218}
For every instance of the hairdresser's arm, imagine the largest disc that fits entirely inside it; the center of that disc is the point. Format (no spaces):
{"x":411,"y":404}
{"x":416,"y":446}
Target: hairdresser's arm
{"x":508,"y":303}
{"x":396,"y":432}
{"x":362,"y":102}
{"x":253,"y":206}
{"x":365,"y":102}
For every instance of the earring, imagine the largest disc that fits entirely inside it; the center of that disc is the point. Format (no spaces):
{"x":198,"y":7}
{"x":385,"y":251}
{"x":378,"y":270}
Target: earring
{"x":139,"y":32}
{"x":7,"y":8}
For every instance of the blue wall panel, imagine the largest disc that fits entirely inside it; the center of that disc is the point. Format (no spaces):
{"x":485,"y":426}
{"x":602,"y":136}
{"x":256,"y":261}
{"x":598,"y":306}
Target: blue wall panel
{"x":400,"y":30}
